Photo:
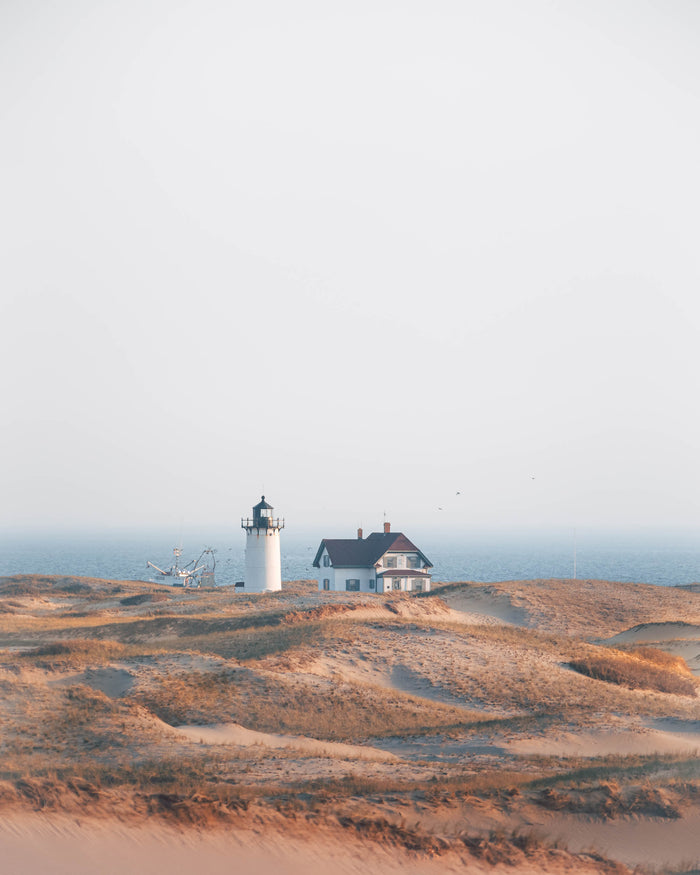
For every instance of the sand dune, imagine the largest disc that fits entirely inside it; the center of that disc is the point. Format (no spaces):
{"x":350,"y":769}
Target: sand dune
{"x":486,"y":604}
{"x":590,"y":608}
{"x":34,"y":844}
{"x":658,"y":632}
{"x":677,"y":638}
{"x":233,"y":733}
{"x":168,"y":731}
{"x":657,"y":842}
{"x":645,"y":741}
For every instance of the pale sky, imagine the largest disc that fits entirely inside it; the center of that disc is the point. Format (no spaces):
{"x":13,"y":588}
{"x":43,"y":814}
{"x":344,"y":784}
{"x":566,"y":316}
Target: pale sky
{"x":361,"y":256}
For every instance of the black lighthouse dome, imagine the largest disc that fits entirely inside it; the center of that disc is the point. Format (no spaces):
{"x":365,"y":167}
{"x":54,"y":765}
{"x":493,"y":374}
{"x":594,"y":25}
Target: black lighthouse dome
{"x":262,"y":514}
{"x":262,"y":518}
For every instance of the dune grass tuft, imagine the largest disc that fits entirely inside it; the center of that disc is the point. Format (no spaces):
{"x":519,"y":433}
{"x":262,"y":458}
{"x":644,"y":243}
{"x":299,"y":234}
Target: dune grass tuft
{"x":74,"y":652}
{"x":641,"y":669}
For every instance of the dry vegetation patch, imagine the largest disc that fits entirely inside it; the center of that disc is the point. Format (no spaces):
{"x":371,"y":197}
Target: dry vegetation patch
{"x":641,"y":669}
{"x":610,"y":800}
{"x":391,"y":834}
{"x":58,"y":585}
{"x":73,"y":653}
{"x":144,"y":598}
{"x":319,"y":708}
{"x":251,"y":643}
{"x":592,"y":609}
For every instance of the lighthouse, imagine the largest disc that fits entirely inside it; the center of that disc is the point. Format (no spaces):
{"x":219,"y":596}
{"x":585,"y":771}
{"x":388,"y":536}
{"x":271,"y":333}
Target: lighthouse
{"x":262,"y":550}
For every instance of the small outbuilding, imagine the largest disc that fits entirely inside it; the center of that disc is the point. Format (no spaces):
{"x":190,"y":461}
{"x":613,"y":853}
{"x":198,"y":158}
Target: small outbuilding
{"x":381,"y":562}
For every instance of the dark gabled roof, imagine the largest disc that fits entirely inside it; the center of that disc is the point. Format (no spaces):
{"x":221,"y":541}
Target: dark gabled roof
{"x":396,"y":541}
{"x":349,"y":552}
{"x":365,"y":552}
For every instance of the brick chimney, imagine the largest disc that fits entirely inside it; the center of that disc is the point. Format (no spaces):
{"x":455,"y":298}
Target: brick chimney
{"x":387,"y":528}
{"x":359,"y":534}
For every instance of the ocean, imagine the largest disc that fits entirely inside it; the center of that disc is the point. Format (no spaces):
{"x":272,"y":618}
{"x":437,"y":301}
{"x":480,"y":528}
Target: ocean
{"x":664,"y":559}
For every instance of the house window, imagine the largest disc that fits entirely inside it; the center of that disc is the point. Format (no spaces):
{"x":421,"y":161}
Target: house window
{"x":352,"y":585}
{"x":372,"y":584}
{"x":326,"y":561}
{"x":326,"y":583}
{"x":418,"y":586}
{"x":396,"y":583}
{"x":390,"y":561}
{"x":413,"y":562}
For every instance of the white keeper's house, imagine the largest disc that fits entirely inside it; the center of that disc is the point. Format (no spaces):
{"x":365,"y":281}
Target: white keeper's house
{"x":381,"y":562}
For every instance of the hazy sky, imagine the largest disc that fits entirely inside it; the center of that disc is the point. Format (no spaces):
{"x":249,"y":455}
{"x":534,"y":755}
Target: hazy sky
{"x":359,"y":255}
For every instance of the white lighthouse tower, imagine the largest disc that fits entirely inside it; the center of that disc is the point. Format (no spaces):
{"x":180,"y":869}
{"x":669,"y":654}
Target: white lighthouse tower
{"x":263,"y":572}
